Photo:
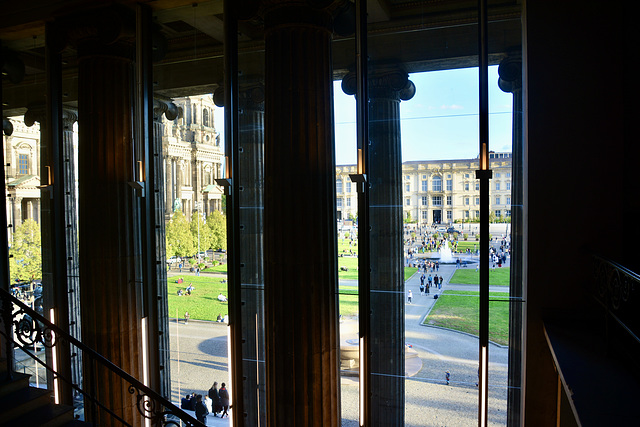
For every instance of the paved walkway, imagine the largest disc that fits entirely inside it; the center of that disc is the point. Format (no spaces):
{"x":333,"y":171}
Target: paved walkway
{"x":429,"y":400}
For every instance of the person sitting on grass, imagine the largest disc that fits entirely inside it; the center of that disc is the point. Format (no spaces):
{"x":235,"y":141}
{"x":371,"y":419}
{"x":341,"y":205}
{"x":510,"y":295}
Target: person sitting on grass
{"x":222,"y":298}
{"x":179,"y":292}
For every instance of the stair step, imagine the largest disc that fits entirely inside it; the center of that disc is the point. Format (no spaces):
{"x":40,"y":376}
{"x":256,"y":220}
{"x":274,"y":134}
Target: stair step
{"x":23,"y":401}
{"x":19,"y":381}
{"x":50,"y":415}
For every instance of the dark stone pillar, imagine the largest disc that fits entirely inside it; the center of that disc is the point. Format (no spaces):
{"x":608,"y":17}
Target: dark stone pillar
{"x":301,"y":283}
{"x":111,"y":297}
{"x":387,"y":87}
{"x":250,"y":177}
{"x":510,"y":72}
{"x":170,"y":110}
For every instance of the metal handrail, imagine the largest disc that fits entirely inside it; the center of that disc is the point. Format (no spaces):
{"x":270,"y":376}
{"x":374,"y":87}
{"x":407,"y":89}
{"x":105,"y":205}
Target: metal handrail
{"x":150,"y":404}
{"x":615,"y":285}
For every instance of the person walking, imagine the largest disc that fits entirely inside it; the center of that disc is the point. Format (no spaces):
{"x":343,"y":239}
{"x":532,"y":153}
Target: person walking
{"x":410,"y":296}
{"x":214,"y":395}
{"x":224,"y":401}
{"x":186,"y":317}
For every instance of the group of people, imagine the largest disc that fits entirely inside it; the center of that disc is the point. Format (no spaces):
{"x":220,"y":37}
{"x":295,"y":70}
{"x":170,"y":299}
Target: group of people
{"x":435,"y":281}
{"x":215,"y":402}
{"x":187,"y":291}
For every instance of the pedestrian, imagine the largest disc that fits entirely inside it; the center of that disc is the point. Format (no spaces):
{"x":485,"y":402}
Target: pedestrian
{"x":410,"y":296}
{"x":214,"y":395}
{"x":180,"y":267}
{"x":224,"y":400}
{"x":447,"y":376}
{"x":201,"y":410}
{"x":421,"y":288}
{"x":186,"y":317}
{"x":440,"y":283}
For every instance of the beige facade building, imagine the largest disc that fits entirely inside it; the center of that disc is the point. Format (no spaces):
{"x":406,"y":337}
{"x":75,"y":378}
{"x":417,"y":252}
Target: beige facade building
{"x":193,"y":157}
{"x":438,"y":191}
{"x":192,"y":160}
{"x":22,"y":152}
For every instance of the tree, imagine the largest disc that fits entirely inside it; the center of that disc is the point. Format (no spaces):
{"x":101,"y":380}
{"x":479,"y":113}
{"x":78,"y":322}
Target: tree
{"x":26,"y":252}
{"x":198,"y":227}
{"x":217,"y":223}
{"x":179,"y":237}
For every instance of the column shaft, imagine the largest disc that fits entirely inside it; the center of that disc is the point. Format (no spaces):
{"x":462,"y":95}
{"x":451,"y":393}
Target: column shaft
{"x":301,"y":299}
{"x":111,"y":299}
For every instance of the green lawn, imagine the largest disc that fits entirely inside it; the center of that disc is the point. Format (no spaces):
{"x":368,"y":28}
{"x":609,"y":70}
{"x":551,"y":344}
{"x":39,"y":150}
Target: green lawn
{"x":203,"y":303}
{"x":469,"y":276}
{"x":459,"y":310}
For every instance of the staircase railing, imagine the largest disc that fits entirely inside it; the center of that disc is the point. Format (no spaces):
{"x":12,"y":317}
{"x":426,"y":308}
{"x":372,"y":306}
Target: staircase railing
{"x":616,"y":290}
{"x":24,"y":328}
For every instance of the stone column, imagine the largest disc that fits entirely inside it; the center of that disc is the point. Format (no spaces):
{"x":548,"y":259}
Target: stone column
{"x":250,"y":176}
{"x":17,"y":212}
{"x":169,"y":110}
{"x":168,"y":164}
{"x":387,"y":87}
{"x":510,"y":72}
{"x":111,"y":297}
{"x":301,"y":283}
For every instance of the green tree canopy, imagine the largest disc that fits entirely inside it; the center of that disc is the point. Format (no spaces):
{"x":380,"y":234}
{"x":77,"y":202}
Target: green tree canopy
{"x":199,"y":228}
{"x":26,"y":252}
{"x":179,"y":236}
{"x":217,"y":223}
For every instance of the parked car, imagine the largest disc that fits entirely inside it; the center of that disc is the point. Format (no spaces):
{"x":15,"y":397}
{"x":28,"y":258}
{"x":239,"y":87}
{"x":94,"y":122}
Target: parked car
{"x":173,"y":260}
{"x":453,"y":230}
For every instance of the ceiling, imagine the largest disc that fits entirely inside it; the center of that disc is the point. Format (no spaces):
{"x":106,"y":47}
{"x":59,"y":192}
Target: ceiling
{"x":422,"y":35}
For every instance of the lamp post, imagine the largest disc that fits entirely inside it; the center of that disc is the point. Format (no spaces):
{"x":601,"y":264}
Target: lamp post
{"x":198,"y":222}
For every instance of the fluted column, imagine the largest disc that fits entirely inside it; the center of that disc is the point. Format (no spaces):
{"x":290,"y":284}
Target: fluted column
{"x":169,"y":110}
{"x":301,"y":286}
{"x":111,"y":299}
{"x":250,"y":176}
{"x":387,"y":87}
{"x":510,"y":72}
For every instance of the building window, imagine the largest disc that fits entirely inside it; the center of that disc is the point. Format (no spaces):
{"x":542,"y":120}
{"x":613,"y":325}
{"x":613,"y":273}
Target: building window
{"x":348,"y":186}
{"x":449,"y":185}
{"x":425,"y":200}
{"x":425,"y":186}
{"x":497,"y":200}
{"x":436,"y":184}
{"x":466,"y":214}
{"x":449,"y":200}
{"x":339,"y":186}
{"x":466,"y":186}
{"x":508,"y":186}
{"x":424,"y":215}
{"x":407,"y":187}
{"x":498,"y":175}
{"x":508,"y":202}
{"x":497,"y":186}
{"x":436,"y":200}
{"x":498,"y":214}
{"x":466,"y":201}
{"x":449,"y":215}
{"x":23,"y":164}
{"x":205,"y":117}
{"x":477,"y":200}
{"x":339,"y":203}
{"x":348,"y":202}
{"x":408,"y":202}
{"x":477,"y":186}
{"x":507,"y":213}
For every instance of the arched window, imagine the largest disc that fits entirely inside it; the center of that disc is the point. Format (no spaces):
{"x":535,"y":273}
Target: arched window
{"x":205,"y":117}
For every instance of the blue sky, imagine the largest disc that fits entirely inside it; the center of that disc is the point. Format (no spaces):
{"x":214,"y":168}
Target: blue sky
{"x":440,"y":122}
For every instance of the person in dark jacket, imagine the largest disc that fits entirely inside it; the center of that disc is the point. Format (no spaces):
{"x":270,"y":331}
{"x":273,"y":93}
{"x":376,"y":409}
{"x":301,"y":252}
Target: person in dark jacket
{"x":201,"y":410}
{"x":214,"y":395}
{"x":224,"y":401}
